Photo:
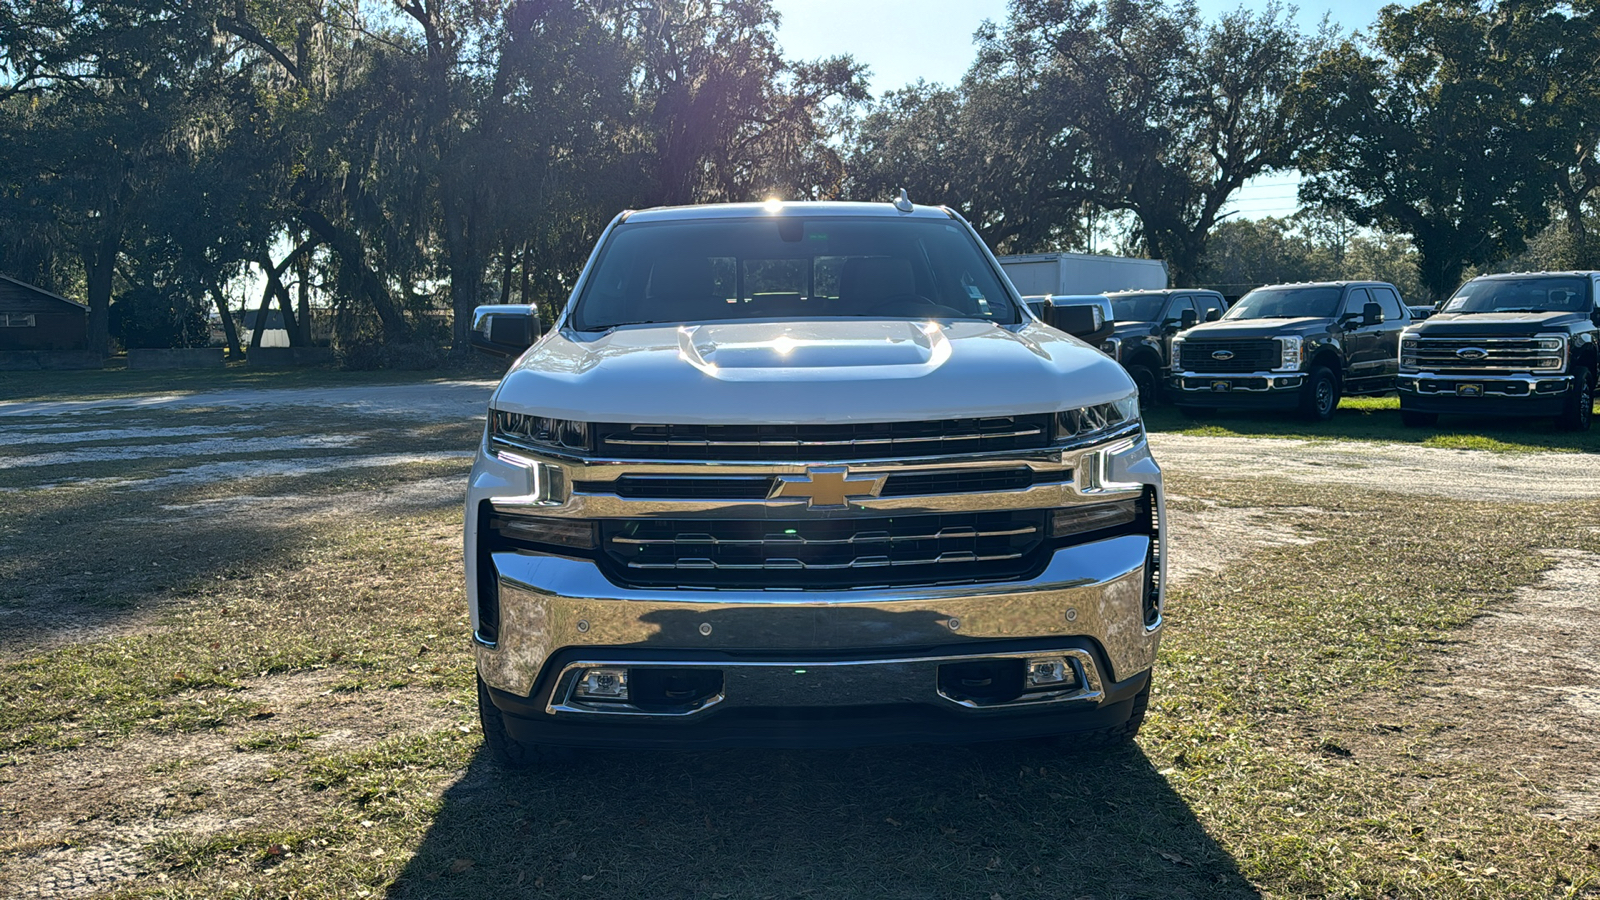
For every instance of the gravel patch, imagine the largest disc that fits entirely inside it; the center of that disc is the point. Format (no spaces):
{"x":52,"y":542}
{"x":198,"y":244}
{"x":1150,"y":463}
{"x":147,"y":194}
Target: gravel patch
{"x":1400,"y":468}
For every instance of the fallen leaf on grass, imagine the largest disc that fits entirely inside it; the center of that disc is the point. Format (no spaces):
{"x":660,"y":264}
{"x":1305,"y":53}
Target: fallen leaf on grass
{"x":891,"y":820}
{"x":461,"y":865}
{"x":1175,"y":858}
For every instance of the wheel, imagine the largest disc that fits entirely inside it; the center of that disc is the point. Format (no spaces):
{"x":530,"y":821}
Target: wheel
{"x":1149,"y":384}
{"x":1580,"y":403}
{"x":506,"y":750}
{"x":1116,"y":735}
{"x":1321,"y":395}
{"x":1413,"y":419}
{"x":1198,"y":412}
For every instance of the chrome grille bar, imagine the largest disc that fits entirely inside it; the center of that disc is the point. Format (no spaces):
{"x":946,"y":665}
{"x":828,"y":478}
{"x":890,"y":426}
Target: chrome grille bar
{"x":863,"y":562}
{"x":873,"y":537}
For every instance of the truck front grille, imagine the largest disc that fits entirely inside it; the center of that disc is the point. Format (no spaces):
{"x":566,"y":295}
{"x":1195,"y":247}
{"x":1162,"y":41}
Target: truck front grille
{"x":843,"y":442}
{"x":1243,"y":356}
{"x":1481,"y":356}
{"x":825,"y":553}
{"x":759,"y":487}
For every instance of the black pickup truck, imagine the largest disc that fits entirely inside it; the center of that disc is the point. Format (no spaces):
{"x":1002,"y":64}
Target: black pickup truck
{"x":1292,"y":346}
{"x":1506,"y":345}
{"x":1147,"y":321}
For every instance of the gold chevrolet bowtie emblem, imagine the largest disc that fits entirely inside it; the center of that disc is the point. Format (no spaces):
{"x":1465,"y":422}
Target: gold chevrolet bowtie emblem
{"x":833,"y":486}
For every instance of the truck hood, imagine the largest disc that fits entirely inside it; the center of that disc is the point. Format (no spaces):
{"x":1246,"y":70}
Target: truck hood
{"x":1237,"y":329}
{"x":1472,"y":324}
{"x":825,"y":371}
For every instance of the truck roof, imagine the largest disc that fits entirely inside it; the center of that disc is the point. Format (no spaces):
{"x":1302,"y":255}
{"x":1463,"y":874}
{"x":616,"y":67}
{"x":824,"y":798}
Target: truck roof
{"x":1498,"y":275}
{"x":783,"y":208}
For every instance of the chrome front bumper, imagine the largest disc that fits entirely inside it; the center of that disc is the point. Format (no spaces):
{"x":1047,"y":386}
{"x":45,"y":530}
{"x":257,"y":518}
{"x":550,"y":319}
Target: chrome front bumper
{"x":551,"y":604}
{"x":1240,"y":382}
{"x":1499,"y":386}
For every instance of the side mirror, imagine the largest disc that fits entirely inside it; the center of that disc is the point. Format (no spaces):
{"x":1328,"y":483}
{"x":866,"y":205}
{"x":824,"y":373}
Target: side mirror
{"x":1213,"y":314}
{"x":503,"y":330}
{"x":1371,"y":314}
{"x":1188,"y":319}
{"x":1090,"y":321}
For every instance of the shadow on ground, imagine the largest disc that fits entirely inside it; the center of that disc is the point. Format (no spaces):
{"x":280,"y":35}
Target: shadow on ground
{"x":983,"y":821}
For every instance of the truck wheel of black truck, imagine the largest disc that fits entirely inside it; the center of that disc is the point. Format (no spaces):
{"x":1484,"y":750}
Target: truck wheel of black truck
{"x":1413,"y":419}
{"x":1321,"y":397}
{"x":506,"y":750}
{"x":1149,"y":385}
{"x":1580,"y":403}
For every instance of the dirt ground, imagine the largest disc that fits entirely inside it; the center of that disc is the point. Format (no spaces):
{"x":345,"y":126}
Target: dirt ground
{"x":89,"y":817}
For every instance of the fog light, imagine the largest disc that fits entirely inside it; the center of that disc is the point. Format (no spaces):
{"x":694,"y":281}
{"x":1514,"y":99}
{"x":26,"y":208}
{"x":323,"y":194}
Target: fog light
{"x":603,"y":684}
{"x":1048,"y":672}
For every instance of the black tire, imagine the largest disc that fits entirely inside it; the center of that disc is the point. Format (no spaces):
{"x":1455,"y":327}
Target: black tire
{"x":1413,"y":419}
{"x":1580,"y":403}
{"x":1149,"y":385}
{"x":1115,"y":736}
{"x":506,"y":750}
{"x":1319,"y":399}
{"x":1198,"y":412}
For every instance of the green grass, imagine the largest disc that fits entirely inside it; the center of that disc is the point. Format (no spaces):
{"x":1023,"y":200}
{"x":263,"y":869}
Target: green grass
{"x":1378,"y":419}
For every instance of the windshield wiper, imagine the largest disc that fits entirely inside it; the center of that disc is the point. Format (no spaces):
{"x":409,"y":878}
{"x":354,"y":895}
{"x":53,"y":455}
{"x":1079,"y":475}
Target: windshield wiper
{"x":1527,"y":309}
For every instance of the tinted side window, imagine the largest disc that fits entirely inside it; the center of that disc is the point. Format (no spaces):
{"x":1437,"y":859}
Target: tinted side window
{"x":1390,"y":301}
{"x":1208,"y":302}
{"x":1177,"y":306}
{"x":1355,"y":300}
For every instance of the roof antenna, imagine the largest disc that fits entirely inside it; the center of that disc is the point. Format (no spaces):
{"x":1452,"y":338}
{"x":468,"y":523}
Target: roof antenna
{"x":903,"y":202}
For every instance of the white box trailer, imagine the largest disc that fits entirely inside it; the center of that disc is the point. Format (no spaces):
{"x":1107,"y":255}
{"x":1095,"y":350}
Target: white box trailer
{"x":1082,"y":273}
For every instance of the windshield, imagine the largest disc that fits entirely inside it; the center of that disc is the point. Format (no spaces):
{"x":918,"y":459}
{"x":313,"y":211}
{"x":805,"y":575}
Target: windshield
{"x":790,"y":268}
{"x":1137,"y":307}
{"x":1286,"y":303}
{"x":1556,"y":294}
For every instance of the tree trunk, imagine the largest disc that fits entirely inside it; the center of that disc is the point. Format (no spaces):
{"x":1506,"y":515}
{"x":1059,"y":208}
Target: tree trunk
{"x":99,"y":264}
{"x":303,"y":273}
{"x":229,"y":329}
{"x":261,"y":315}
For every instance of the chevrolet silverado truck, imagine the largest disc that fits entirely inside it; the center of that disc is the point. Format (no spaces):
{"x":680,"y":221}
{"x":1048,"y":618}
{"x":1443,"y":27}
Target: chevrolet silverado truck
{"x":807,"y":474}
{"x":1294,"y":347}
{"x":1146,"y":323}
{"x":1506,"y":345}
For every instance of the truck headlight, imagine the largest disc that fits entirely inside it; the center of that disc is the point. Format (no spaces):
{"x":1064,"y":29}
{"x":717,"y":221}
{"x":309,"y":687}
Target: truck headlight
{"x":1073,"y":425}
{"x":511,"y":526}
{"x":1177,"y":353}
{"x":537,"y":432}
{"x":1291,"y":353}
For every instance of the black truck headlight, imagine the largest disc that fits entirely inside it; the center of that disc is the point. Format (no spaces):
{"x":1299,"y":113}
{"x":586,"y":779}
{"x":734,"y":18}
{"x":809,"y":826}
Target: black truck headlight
{"x":537,"y":432}
{"x":1085,"y":422}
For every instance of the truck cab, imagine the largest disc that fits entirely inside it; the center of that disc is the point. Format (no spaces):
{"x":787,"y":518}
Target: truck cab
{"x":1522,"y":344}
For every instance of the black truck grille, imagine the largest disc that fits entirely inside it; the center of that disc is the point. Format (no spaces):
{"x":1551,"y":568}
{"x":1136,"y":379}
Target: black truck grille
{"x":805,"y":443}
{"x":825,"y":553}
{"x":1484,"y":356}
{"x":1244,"y":356}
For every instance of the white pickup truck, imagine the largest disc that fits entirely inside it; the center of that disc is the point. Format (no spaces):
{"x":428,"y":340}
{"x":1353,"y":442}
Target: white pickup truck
{"x":807,"y":474}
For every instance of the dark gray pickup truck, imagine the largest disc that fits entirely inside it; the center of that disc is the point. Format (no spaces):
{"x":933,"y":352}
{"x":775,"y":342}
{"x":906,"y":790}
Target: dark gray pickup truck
{"x":1506,"y":345}
{"x":1292,"y":346}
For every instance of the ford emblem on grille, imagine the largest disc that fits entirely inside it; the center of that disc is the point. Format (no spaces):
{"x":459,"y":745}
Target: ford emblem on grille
{"x":1472,"y":353}
{"x":1222,"y":354}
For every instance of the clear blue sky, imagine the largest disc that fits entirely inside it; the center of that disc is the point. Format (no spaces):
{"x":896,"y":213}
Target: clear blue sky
{"x":903,"y":40}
